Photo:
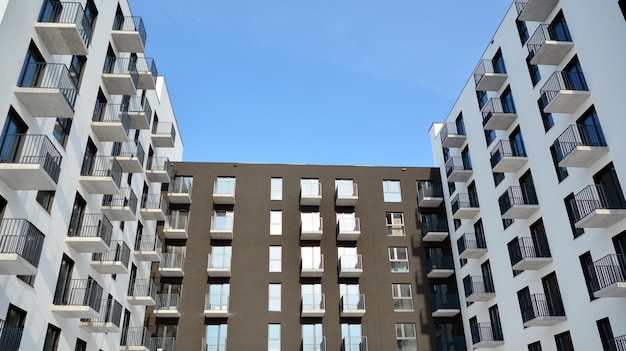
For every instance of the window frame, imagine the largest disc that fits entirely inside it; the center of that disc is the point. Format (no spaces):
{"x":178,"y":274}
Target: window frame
{"x":276,"y":189}
{"x":399,"y":300}
{"x":393,"y":254}
{"x":390,"y":193}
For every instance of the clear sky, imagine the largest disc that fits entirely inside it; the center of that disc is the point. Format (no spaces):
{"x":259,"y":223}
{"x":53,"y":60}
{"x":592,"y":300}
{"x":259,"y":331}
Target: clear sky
{"x":354,"y":82}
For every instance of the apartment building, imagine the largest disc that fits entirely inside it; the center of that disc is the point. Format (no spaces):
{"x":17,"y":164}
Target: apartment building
{"x":532,"y":153}
{"x":87,"y":139}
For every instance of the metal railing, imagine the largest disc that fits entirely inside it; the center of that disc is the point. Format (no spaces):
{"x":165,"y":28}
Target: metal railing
{"x":311,"y":343}
{"x":224,"y":186}
{"x":165,"y":129}
{"x":131,"y":24}
{"x":520,"y":5}
{"x":167,"y":302}
{"x":608,"y":270}
{"x":50,"y":76}
{"x":148,"y":243}
{"x":216,"y":302}
{"x":496,"y":105}
{"x":595,"y":197}
{"x":32,"y":149}
{"x":67,"y":12}
{"x":348,"y":225}
{"x":352,"y":302}
{"x":314,"y":262}
{"x":562,"y":80}
{"x":213,"y":344}
{"x":618,"y":343}
{"x":527,"y":249}
{"x":126,"y":198}
{"x":578,"y":135}
{"x":143,"y":287}
{"x":463,"y":200}
{"x":159,"y":164}
{"x":92,"y":225}
{"x":476,"y":285}
{"x":450,"y":129}
{"x":104,"y":112}
{"x":455,"y":163}
{"x":177,"y":221}
{"x":552,"y":32}
{"x":507,"y":148}
{"x":218,"y":261}
{"x":483,"y":332}
{"x":81,"y":292}
{"x":21,"y":237}
{"x":432,"y":223}
{"x":439,"y":261}
{"x":164,"y":343}
{"x":110,"y":312}
{"x":354,"y":343}
{"x":181,"y":185}
{"x":444,"y":301}
{"x":153,"y":202}
{"x":429,"y":189}
{"x":102,"y":166}
{"x":516,"y":195}
{"x":347,"y":190}
{"x":137,"y":105}
{"x":311,"y":189}
{"x":350,"y":262}
{"x":146,"y":64}
{"x":486,"y":66}
{"x":120,"y":252}
{"x":313,"y":302}
{"x":172,"y":260}
{"x":539,"y":307}
{"x":122,"y":65}
{"x":137,"y":336}
{"x":131,"y":148}
{"x":469,"y":241}
{"x":10,"y":336}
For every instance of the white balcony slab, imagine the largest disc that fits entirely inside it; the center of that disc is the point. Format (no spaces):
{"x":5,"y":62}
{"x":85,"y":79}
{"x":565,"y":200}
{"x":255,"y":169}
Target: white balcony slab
{"x":532,"y":263}
{"x":510,"y":164}
{"x":99,"y":327}
{"x":491,"y":82}
{"x":141,"y":300}
{"x":459,"y":175}
{"x":119,"y":84}
{"x":99,"y":185}
{"x":552,"y":52}
{"x":453,"y":141}
{"x":61,"y":38}
{"x":74,"y":311}
{"x":520,"y":211}
{"x":500,"y":121}
{"x":537,"y":10}
{"x":601,"y":218}
{"x":87,"y":244}
{"x":109,"y":131}
{"x":44,"y":102}
{"x":109,"y":267}
{"x":14,"y":264}
{"x":567,"y":101}
{"x":446,"y":312}
{"x":26,"y":176}
{"x":584,"y":156}
{"x":127,"y":41}
{"x":435,"y":236}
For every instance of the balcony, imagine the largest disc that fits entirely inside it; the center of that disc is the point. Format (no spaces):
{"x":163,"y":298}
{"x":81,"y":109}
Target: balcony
{"x":526,"y":256}
{"x":164,"y":343}
{"x":179,"y":190}
{"x":218,"y":265}
{"x":445,"y":305}
{"x":63,"y":28}
{"x":311,"y":194}
{"x":107,"y":322}
{"x":153,"y":207}
{"x":457,"y":170}
{"x":434,"y":229}
{"x":348,"y":229}
{"x":450,"y":343}
{"x":224,"y":191}
{"x":213,"y":344}
{"x":130,"y":155}
{"x":167,"y":306}
{"x":47,"y":90}
{"x":312,"y":266}
{"x":29,"y":162}
{"x":540,"y":314}
{"x":508,"y":156}
{"x":148,"y":248}
{"x":452,"y":136}
{"x":355,"y":343}
{"x":564,"y":92}
{"x":142,"y":292}
{"x":483,"y":337}
{"x":222,"y":227}
{"x":21,"y":244}
{"x":580,"y":145}
{"x":176,"y":226}
{"x":120,"y":207}
{"x":464,"y":206}
{"x":172,"y":265}
{"x":439,"y":266}
{"x":101,"y":175}
{"x":549,"y":44}
{"x":311,"y":228}
{"x":82,"y":299}
{"x":470,"y":247}
{"x":216,"y":306}
{"x":346,"y":194}
{"x":158,"y":169}
{"x":518,"y":203}
{"x":350,"y":266}
{"x":429,"y":194}
{"x":113,"y":262}
{"x":477,"y":290}
{"x":129,"y":34}
{"x":148,"y":73}
{"x":136,"y":339}
{"x":11,"y":336}
{"x":498,"y":114}
{"x":163,"y":134}
{"x":109,"y":123}
{"x":92,"y":233}
{"x":120,"y":76}
{"x":597,"y":207}
{"x":618,"y":343}
{"x":139,"y":112}
{"x":534,"y":10}
{"x":488,"y":76}
{"x":609,"y":275}
{"x":314,"y":343}
{"x":352,"y":305}
{"x":313,"y":305}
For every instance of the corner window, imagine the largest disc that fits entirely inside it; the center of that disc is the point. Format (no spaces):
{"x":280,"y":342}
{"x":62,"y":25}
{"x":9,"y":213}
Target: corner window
{"x":391,"y":191}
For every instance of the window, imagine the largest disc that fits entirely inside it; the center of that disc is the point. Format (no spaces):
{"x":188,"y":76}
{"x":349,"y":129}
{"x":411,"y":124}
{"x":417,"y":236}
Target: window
{"x":310,"y":187}
{"x":273,"y":297}
{"x":312,"y":297}
{"x":561,"y":172}
{"x":498,"y":62}
{"x":218,"y":295}
{"x":546,"y":117}
{"x":496,"y":325}
{"x":77,"y":65}
{"x":350,"y":296}
{"x":570,"y":215}
{"x":311,"y":221}
{"x":533,"y":70}
{"x":606,"y":334}
{"x":536,"y":346}
{"x":482,"y":98}
{"x":273,"y":337}
{"x":216,"y":336}
{"x":276,"y":222}
{"x":312,"y":337}
{"x":345,"y":187}
{"x":564,"y":342}
{"x":352,"y":337}
{"x":460,"y":125}
{"x":30,"y":75}
{"x":405,"y":337}
{"x":522,"y":31}
{"x":608,"y":182}
{"x":487,"y":277}
{"x":223,"y":220}
{"x":508,"y":106}
{"x":45,"y":199}
{"x":63,"y":281}
{"x":52,"y":338}
{"x":466,"y":158}
{"x":402,"y":297}
{"x":395,"y":224}
{"x":399,"y":259}
{"x":525,"y":304}
{"x":225,"y":186}
{"x":276,"y":264}
{"x":311,"y":257}
{"x":517,"y":143}
{"x":391,"y":191}
{"x":527,"y":186}
{"x":16,"y":318}
{"x":586,"y":264}
{"x":221,"y":257}
{"x":10,"y":143}
{"x":574,"y":72}
{"x":276,"y":188}
{"x":90,"y":158}
{"x":61,"y":130}
{"x":497,"y":178}
{"x":347,"y":222}
{"x":553,"y":295}
{"x":622,"y":7}
{"x":78,"y":210}
{"x":490,"y":136}
{"x":81,"y":345}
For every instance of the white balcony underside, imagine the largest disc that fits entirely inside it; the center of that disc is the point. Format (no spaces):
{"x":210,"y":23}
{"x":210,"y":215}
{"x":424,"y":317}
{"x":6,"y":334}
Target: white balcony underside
{"x":317,"y":313}
{"x":552,"y":52}
{"x":167,"y":313}
{"x":26,"y":176}
{"x":61,"y":38}
{"x":87,"y":244}
{"x":488,"y":344}
{"x":171,"y":272}
{"x":350,"y":272}
{"x":567,"y":101}
{"x":138,"y":120}
{"x":175,"y":233}
{"x":310,"y":200}
{"x":221,"y":199}
{"x":127,"y":41}
{"x":146,"y":81}
{"x":74,"y":311}
{"x":118,"y":213}
{"x":147,"y":256}
{"x":109,"y":131}
{"x":435,"y":236}
{"x":617,"y":289}
{"x":459,"y":175}
{"x":601,"y":218}
{"x":510,"y":164}
{"x":119,"y":84}
{"x":430,"y":202}
{"x":500,"y":121}
{"x":44,"y":102}
{"x":218,"y":272}
{"x":221,"y":234}
{"x":491,"y":82}
{"x":149,"y":214}
{"x":446,"y":312}
{"x":348,"y":235}
{"x":140,"y":300}
{"x":99,"y":327}
{"x":480,"y":297}
{"x":466,"y":213}
{"x":346,"y":201}
{"x":453,"y":141}
{"x":162,"y":140}
{"x":472,"y":253}
{"x":584,"y":156}
{"x":179,"y":198}
{"x":313,"y":235}
{"x":134,"y":348}
{"x":14,"y":264}
{"x":440,"y":273}
{"x":537,"y":10}
{"x":545,"y":321}
{"x":352,"y":313}
{"x":311,"y":272}
{"x":157,"y":176}
{"x":114,"y":267}
{"x":520,"y":211}
{"x":130,"y":164}
{"x":216,"y":313}
{"x":532,"y":263}
{"x":99,"y":185}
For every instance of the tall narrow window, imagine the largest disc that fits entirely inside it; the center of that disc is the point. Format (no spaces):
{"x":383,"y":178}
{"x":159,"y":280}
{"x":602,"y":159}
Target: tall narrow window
{"x":312,"y":337}
{"x":276,"y":188}
{"x":527,"y":186}
{"x":221,"y":257}
{"x":496,"y":325}
{"x":606,"y":335}
{"x":533,"y":70}
{"x":391,"y":191}
{"x":16,"y":317}
{"x":553,"y":295}
{"x":498,"y":62}
{"x":536,"y":346}
{"x":395,"y":224}
{"x":610,"y":187}
{"x":517,"y":143}
{"x":546,"y":117}
{"x":274,"y":297}
{"x":586,"y":264}
{"x":402,"y":297}
{"x":63,"y":281}
{"x":81,"y":345}
{"x":276,"y":253}
{"x":564,"y":342}
{"x":522,"y":31}
{"x":508,"y":105}
{"x":61,"y":130}
{"x":77,"y":65}
{"x":216,"y":336}
{"x":561,"y":172}
{"x":51,"y":342}
{"x":570,"y":215}
{"x":276,"y":222}
{"x":273,"y":337}
{"x":311,"y":257}
{"x":10,"y":142}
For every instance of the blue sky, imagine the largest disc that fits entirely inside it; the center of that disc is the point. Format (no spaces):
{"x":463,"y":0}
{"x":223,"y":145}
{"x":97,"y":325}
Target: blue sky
{"x":354,"y":82}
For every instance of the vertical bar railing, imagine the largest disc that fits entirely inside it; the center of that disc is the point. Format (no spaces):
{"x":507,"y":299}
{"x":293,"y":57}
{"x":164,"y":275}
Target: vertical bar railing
{"x":67,"y":12}
{"x":93,"y":225}
{"x":578,"y":135}
{"x":131,"y":24}
{"x":143,"y":288}
{"x":50,"y":76}
{"x":21,"y":237}
{"x":562,"y":80}
{"x":120,"y":252}
{"x":126,"y":198}
{"x":137,"y":336}
{"x":32,"y":149}
{"x":609,"y":270}
{"x":10,"y":336}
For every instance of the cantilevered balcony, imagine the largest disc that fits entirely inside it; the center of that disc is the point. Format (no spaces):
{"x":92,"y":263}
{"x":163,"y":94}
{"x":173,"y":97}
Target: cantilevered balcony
{"x":429,"y":194}
{"x":63,"y":28}
{"x":172,"y":265}
{"x":47,"y":90}
{"x":109,"y":123}
{"x":224,"y":191}
{"x":113,"y":262}
{"x":136,"y":339}
{"x":470,"y":246}
{"x":352,"y":305}
{"x":29,"y":162}
{"x":434,"y":228}
{"x":540,"y":313}
{"x":354,"y":343}
{"x":311,"y":194}
{"x":176,"y":225}
{"x":457,"y":170}
{"x":350,"y":266}
{"x":164,"y":343}
{"x":483,"y":337}
{"x":609,"y":275}
{"x":445,"y":305}
{"x":146,"y":68}
{"x":525,"y":254}
{"x":450,"y":343}
{"x":142,"y":292}
{"x":464,"y":206}
{"x":348,"y":229}
{"x":489,"y":76}
{"x":11,"y":336}
{"x":549,"y":44}
{"x":130,"y":155}
{"x":312,"y":266}
{"x":167,"y":306}
{"x":163,"y":134}
{"x":313,"y":305}
{"x":216,"y":305}
{"x":139,"y":112}
{"x":508,"y":156}
{"x":101,"y":175}
{"x":213,"y":344}
{"x":534,"y":10}
{"x":158,"y":169}
{"x":311,"y":343}
{"x":153,"y":207}
{"x":452,"y":136}
{"x":311,"y":228}
{"x":222,"y":226}
{"x":107,"y":322}
{"x":20,"y":247}
{"x":218,"y":265}
{"x":580,"y":145}
{"x":346,"y":194}
{"x":120,"y":76}
{"x":439,"y":266}
{"x":518,"y":203}
{"x":129,"y":34}
{"x":148,"y":248}
{"x":90,"y":233}
{"x":179,"y":190}
{"x":564,"y":92}
{"x":82,"y":299}
{"x":120,"y":207}
{"x":476,"y":289}
{"x":598,"y":207}
{"x":498,"y":114}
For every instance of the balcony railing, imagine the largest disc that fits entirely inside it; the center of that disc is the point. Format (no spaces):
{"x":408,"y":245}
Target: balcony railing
{"x":609,"y":276}
{"x":11,"y":336}
{"x":313,"y":305}
{"x":120,"y":75}
{"x":310,"y":194}
{"x":575,"y":86}
{"x":21,"y":244}
{"x":352,"y":305}
{"x":525,"y":255}
{"x":167,"y":305}
{"x":539,"y":312}
{"x":29,"y":162}
{"x":470,"y":246}
{"x":222,"y":226}
{"x":346,"y":194}
{"x":129,"y":34}
{"x":213,"y":344}
{"x":518,"y":203}
{"x":618,"y":343}
{"x":92,"y":233}
{"x":216,"y":305}
{"x":224,"y":191}
{"x":148,"y":248}
{"x":218,"y":265}
{"x":109,"y":123}
{"x":580,"y":145}
{"x":164,"y":343}
{"x":457,"y":170}
{"x":52,"y":27}
{"x":464,"y":206}
{"x":136,"y":337}
{"x":534,"y":10}
{"x":477,"y":289}
{"x":139,"y":111}
{"x":314,"y":343}
{"x":175,"y":226}
{"x":86,"y":293}
{"x":429,"y":194}
{"x":146,"y":67}
{"x":158,"y":169}
{"x":354,"y":343}
{"x":108,"y":321}
{"x":439,"y":265}
{"x":153,"y":207}
{"x":101,"y":175}
{"x":350,"y":266}
{"x":312,"y":266}
{"x":142,"y":292}
{"x":445,"y":305}
{"x":56,"y":90}
{"x":130,"y":155}
{"x":434,"y":228}
{"x":311,"y":228}
{"x":498,"y":114}
{"x":549,"y":44}
{"x":451,"y":135}
{"x":113,"y":262}
{"x":508,"y":156}
{"x":120,"y":207}
{"x":483,"y":336}
{"x":348,"y":228}
{"x":163,"y":134}
{"x":179,"y":190}
{"x":598,"y":207}
{"x":489,"y":76}
{"x":172,"y":265}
